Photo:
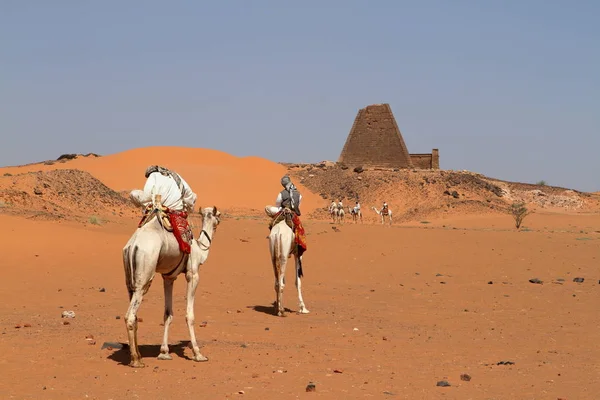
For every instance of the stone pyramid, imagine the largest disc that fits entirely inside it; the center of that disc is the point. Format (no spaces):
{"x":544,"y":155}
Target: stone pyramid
{"x":375,"y":140}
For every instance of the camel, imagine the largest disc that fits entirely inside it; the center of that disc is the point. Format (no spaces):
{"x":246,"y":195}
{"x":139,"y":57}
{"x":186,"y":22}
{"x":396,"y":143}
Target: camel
{"x":336,"y":210}
{"x":281,"y":243}
{"x":340,"y":213}
{"x":383,"y":214}
{"x":355,"y":215}
{"x":333,"y":211}
{"x":152,"y":249}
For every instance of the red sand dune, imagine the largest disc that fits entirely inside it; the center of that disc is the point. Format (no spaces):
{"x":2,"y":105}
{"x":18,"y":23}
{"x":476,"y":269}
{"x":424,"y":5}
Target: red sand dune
{"x":218,"y":178}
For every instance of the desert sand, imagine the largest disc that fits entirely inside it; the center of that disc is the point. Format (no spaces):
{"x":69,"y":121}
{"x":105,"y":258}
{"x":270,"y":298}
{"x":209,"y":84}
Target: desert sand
{"x":445,"y":291}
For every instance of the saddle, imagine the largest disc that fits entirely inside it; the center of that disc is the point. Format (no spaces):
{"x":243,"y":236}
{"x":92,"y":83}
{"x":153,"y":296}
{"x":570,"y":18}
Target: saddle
{"x":159,"y":211}
{"x":172,"y":221}
{"x":285,"y":214}
{"x":384,"y":211}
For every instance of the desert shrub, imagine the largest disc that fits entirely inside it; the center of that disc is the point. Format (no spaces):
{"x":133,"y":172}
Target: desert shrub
{"x":519,"y":211}
{"x":541,"y":183}
{"x":94,"y":220}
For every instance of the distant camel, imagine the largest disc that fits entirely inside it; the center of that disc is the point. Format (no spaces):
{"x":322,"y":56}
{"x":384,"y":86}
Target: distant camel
{"x":355,"y":215}
{"x":336,"y":211}
{"x":333,"y":211}
{"x":340,"y":213}
{"x":383,"y":213}
{"x":152,"y":249}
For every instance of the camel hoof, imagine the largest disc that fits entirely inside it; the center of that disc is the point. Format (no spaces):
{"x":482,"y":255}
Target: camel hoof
{"x":137,"y":364}
{"x":200,"y":358}
{"x":304,"y":310}
{"x":164,"y":356}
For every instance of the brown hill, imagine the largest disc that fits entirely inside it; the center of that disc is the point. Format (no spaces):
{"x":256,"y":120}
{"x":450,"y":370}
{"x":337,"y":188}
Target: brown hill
{"x":61,"y":194}
{"x":419,"y":194}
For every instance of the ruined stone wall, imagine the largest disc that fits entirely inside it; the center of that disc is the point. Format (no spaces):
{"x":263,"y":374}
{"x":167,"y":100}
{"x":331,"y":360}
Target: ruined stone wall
{"x":426,"y":161}
{"x":375,"y":140}
{"x":421,"y":161}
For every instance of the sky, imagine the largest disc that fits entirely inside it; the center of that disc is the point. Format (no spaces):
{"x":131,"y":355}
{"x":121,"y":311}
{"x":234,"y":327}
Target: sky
{"x":506,"y":88}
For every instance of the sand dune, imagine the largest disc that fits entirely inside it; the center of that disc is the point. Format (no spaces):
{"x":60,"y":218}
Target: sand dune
{"x":218,"y":178}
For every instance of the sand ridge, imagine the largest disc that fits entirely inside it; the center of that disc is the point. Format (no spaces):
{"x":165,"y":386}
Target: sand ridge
{"x":238,"y":184}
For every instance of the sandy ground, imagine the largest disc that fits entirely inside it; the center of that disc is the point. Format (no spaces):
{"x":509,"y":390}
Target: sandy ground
{"x":394,"y":310}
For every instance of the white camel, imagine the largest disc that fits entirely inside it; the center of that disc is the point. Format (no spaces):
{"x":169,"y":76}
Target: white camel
{"x":355,"y":215}
{"x":383,"y":214}
{"x":151,"y":249}
{"x":341,"y":213}
{"x":333,"y":211}
{"x":281,"y":246}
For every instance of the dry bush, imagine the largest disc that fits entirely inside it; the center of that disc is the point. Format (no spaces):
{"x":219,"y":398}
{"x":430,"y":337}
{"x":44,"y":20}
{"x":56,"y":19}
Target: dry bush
{"x":518,"y":212}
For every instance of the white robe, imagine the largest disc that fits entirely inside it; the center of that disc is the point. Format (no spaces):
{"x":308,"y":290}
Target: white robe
{"x":166,"y":186}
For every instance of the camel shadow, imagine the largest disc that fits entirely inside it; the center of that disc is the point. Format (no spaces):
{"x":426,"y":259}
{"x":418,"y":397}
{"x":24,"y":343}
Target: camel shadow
{"x":122,"y":355}
{"x":270,"y":310}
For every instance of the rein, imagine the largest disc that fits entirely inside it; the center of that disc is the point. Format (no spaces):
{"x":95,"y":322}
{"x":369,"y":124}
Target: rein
{"x":208,"y":237}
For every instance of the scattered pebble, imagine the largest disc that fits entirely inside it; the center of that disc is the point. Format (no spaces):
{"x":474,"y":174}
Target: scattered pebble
{"x":111,"y":345}
{"x":536,"y":280}
{"x":118,"y":317}
{"x":311,"y":387}
{"x":102,"y":290}
{"x":442,"y":384}
{"x":203,"y":324}
{"x":66,"y":323}
{"x":26,"y":325}
{"x":17,"y":326}
{"x":578,"y":280}
{"x":241,"y":392}
{"x":68,"y":314}
{"x":338,"y":371}
{"x":490,"y":283}
{"x":465,"y":377}
{"x":266,"y":329}
{"x":505,"y":363}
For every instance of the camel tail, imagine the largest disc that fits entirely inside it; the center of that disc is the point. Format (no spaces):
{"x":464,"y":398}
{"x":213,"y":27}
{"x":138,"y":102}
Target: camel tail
{"x":300,"y":272}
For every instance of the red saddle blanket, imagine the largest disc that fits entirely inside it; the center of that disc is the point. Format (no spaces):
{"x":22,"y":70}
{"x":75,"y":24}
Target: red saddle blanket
{"x":181,"y":230}
{"x":300,"y":235}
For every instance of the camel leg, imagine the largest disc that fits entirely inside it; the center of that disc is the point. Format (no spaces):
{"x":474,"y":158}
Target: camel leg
{"x":164,"y":348}
{"x":279,"y":267}
{"x":303,"y":309}
{"x":279,"y":285}
{"x":132,"y":324}
{"x":192,"y":283}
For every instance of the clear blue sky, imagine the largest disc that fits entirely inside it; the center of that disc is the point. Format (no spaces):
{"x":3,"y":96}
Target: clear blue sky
{"x":510,"y":89}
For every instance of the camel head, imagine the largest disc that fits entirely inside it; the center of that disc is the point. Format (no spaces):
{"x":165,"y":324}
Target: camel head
{"x":211,"y":217}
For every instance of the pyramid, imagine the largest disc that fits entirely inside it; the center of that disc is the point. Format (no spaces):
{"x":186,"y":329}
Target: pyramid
{"x":375,"y":140}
